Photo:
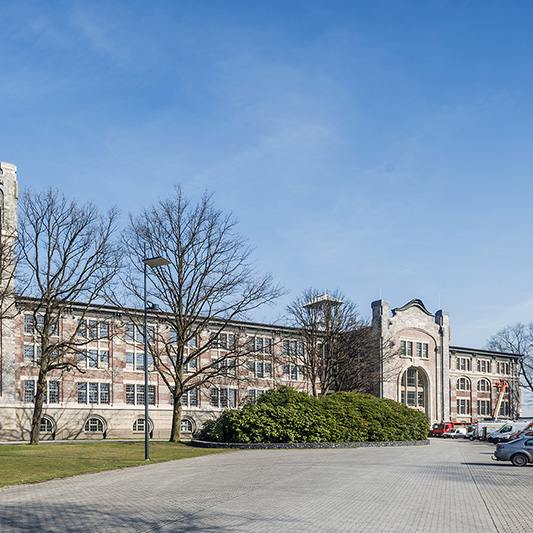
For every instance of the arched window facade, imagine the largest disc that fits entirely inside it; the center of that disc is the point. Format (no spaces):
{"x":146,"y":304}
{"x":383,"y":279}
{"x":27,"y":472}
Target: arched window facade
{"x":414,"y":388}
{"x":186,"y":425}
{"x":463,"y":384}
{"x":94,"y":425}
{"x":483,"y":385}
{"x":138,"y":425}
{"x":46,"y":425}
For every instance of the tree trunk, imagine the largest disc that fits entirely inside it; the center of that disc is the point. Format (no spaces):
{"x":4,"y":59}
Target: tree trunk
{"x":38,"y":407}
{"x":176,"y":419}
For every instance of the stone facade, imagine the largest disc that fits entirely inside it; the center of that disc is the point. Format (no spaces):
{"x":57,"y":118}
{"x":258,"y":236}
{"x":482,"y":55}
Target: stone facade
{"x":420,"y":368}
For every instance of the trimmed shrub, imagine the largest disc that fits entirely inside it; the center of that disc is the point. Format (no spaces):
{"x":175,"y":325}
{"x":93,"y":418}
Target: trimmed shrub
{"x":286,"y":415}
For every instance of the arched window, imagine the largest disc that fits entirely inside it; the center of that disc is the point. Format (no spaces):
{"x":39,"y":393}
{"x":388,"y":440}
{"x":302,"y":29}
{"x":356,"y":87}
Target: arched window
{"x":186,"y":425}
{"x":138,"y":425}
{"x":463,"y":384}
{"x":94,"y":425}
{"x":483,"y":385}
{"x":46,"y":425}
{"x":413,"y":388}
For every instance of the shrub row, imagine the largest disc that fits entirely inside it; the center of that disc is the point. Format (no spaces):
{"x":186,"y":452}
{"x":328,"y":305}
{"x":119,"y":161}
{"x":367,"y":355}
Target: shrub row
{"x":286,"y":415}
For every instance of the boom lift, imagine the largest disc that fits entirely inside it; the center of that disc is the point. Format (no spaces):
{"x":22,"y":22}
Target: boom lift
{"x":502,"y":385}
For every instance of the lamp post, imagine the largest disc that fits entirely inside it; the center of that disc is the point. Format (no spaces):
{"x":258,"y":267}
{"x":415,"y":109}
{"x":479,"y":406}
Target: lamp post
{"x":148,"y":262}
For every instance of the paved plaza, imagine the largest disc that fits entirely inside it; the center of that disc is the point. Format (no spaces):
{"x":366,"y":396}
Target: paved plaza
{"x":447,"y":486}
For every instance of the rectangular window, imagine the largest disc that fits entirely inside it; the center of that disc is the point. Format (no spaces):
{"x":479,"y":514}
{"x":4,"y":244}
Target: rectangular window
{"x":130,"y":332}
{"x":294,"y":348}
{"x":151,"y":394}
{"x":463,"y":406}
{"x":268,"y":369}
{"x":214,"y":397}
{"x":259,"y":344}
{"x":483,"y":407}
{"x":504,"y":408}
{"x":294,"y":372}
{"x":28,"y":324}
{"x":140,"y":394}
{"x":139,"y":361}
{"x":411,"y":397}
{"x":259,"y":370}
{"x":130,"y":358}
{"x":104,"y":393}
{"x":104,"y":330}
{"x":104,"y":357}
{"x":82,"y":392}
{"x":286,"y":371}
{"x":93,"y":392}
{"x":403,"y":348}
{"x":483,"y":365}
{"x":93,"y":358}
{"x":232,"y":396}
{"x":193,"y":343}
{"x":28,"y":352}
{"x":53,"y":392}
{"x":409,"y":349}
{"x":29,"y":391}
{"x":419,"y":349}
{"x":223,"y":397}
{"x":93,"y":329}
{"x":268,"y":346}
{"x":251,"y":344}
{"x":251,"y":396}
{"x":425,"y":350}
{"x":421,"y":399}
{"x":130,"y":394}
{"x":82,"y":328}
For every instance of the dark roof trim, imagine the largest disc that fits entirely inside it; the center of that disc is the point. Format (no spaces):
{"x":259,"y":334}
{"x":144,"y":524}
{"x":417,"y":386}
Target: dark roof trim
{"x":477,"y":351}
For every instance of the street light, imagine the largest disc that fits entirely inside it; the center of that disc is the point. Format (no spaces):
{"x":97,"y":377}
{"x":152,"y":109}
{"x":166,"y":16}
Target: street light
{"x":148,"y":262}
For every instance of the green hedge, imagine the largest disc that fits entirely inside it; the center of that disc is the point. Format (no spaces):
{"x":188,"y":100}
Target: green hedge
{"x":286,"y":415}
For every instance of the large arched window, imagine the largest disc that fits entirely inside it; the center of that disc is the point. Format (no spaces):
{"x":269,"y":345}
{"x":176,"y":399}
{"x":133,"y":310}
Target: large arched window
{"x":463,"y":384}
{"x":46,"y":425}
{"x":186,"y":425}
{"x":413,"y":388}
{"x":483,"y":385}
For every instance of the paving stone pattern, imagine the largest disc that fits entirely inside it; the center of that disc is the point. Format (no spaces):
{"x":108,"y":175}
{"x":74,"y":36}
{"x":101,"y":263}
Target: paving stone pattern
{"x":446,"y":486}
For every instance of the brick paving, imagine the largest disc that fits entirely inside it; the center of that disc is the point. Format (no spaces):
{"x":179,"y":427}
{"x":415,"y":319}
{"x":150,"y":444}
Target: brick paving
{"x":447,"y":486}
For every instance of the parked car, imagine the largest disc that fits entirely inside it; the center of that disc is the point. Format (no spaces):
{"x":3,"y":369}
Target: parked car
{"x":519,"y":452}
{"x":455,"y":433}
{"x":503,"y":434}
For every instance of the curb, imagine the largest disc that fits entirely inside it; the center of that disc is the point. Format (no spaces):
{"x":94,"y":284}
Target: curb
{"x":305,"y":445}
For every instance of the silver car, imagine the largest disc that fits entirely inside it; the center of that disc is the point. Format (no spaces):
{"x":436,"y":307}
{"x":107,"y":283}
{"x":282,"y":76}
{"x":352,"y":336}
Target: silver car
{"x":519,"y":452}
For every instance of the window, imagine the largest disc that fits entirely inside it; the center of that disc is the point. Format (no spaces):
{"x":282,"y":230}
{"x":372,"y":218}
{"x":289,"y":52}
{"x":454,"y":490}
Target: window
{"x":413,"y":388}
{"x":53,"y":392}
{"x":403,"y":348}
{"x":409,"y":349}
{"x":463,"y":406}
{"x":189,"y":365}
{"x":504,"y":408}
{"x":104,"y":330}
{"x":483,"y":365}
{"x":419,"y":349}
{"x":483,"y":385}
{"x":135,"y":334}
{"x":293,"y":348}
{"x":186,"y":425}
{"x":223,"y":341}
{"x":483,"y":408}
{"x":463,"y":384}
{"x":29,"y":391}
{"x":139,"y":426}
{"x":28,"y":324}
{"x":260,"y":344}
{"x":425,"y":350}
{"x":223,"y":397}
{"x":135,"y":394}
{"x":254,"y":395}
{"x":260,"y":369}
{"x":190,"y":398}
{"x":46,"y":425}
{"x":503,"y":368}
{"x":92,"y":358}
{"x":94,"y":393}
{"x":29,"y":351}
{"x":463,"y":363}
{"x":94,"y":425}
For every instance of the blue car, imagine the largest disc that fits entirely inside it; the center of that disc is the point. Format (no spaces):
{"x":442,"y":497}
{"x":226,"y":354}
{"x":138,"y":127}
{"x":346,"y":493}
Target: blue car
{"x":519,"y":452}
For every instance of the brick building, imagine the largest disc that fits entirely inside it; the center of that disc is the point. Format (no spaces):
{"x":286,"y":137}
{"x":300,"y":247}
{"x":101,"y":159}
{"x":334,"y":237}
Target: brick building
{"x":418,"y":367}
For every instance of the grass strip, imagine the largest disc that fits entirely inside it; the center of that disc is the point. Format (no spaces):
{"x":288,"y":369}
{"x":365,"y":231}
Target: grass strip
{"x":23,"y":463}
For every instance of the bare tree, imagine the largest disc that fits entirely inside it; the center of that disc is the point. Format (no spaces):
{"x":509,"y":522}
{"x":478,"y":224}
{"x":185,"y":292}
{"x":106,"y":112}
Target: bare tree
{"x":209,"y":282}
{"x":67,"y":258}
{"x":517,"y":339}
{"x":333,"y":335}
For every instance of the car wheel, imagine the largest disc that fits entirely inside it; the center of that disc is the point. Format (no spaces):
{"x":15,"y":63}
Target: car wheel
{"x":471,"y":438}
{"x":519,"y":459}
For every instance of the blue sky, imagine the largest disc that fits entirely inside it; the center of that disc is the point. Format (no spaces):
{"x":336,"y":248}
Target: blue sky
{"x":375,"y":147}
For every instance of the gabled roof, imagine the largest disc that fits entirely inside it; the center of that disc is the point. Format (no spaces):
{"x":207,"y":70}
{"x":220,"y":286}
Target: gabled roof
{"x":413,"y":303}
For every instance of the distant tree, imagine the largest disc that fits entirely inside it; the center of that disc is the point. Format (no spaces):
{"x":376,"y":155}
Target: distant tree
{"x":66,"y":258}
{"x":209,"y":282}
{"x":517,"y":339}
{"x":338,"y":344}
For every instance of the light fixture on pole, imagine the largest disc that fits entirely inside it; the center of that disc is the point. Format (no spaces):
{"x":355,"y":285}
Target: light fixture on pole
{"x":148,"y":262}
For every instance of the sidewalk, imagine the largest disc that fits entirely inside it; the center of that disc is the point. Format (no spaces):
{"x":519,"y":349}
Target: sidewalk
{"x":447,"y":486}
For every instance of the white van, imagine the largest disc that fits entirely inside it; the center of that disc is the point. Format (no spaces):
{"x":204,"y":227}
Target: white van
{"x":503,"y":434}
{"x":485,"y":427}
